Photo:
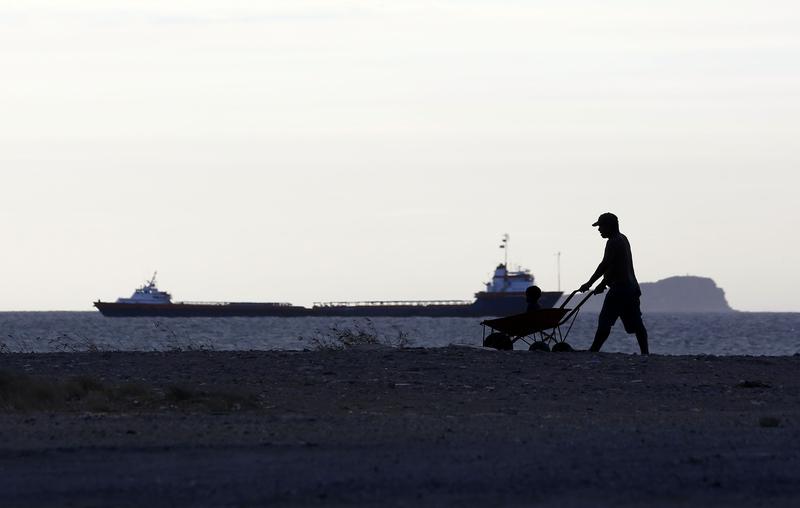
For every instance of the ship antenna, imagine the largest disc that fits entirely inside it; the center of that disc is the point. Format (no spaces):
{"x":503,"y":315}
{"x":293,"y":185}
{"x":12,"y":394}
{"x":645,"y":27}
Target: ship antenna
{"x":505,"y":248}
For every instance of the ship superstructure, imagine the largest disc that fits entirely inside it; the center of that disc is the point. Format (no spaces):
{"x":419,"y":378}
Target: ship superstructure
{"x":505,"y":281}
{"x":148,"y":294}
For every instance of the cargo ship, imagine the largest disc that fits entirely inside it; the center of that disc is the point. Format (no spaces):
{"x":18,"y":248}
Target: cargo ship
{"x":503,"y":295}
{"x":149,"y":301}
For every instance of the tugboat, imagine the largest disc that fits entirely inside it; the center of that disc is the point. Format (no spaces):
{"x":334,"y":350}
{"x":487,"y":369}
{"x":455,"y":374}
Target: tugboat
{"x":148,"y":300}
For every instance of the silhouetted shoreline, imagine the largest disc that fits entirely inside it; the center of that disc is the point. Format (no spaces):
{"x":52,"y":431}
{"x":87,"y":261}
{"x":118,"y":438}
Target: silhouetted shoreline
{"x":446,"y":426}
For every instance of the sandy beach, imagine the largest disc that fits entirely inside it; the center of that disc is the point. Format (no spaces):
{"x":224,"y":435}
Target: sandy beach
{"x":381,"y":426}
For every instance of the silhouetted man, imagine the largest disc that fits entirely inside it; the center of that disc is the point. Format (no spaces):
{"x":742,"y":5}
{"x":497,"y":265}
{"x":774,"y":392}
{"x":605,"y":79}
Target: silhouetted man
{"x":622,"y":300}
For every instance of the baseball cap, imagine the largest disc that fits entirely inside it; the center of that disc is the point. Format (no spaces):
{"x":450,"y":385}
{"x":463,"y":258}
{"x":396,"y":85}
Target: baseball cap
{"x":606,"y":218}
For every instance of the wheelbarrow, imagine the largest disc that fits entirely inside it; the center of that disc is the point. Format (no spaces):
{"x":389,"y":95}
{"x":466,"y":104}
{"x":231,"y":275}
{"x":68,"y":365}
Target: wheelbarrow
{"x":539,"y":328}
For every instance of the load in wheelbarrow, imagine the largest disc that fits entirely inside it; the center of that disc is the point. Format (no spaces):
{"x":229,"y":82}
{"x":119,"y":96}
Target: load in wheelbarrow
{"x":538,"y":328}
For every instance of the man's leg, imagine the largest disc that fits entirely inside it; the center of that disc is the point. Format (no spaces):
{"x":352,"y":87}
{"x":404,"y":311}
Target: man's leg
{"x":605,"y":321}
{"x":641,"y":337}
{"x":632,"y":319}
{"x":600,"y":337}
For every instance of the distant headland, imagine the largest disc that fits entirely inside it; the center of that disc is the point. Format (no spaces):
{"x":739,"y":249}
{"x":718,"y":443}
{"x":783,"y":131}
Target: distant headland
{"x":677,"y":294}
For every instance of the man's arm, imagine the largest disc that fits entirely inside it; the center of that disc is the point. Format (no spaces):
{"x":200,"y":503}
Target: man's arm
{"x":601,"y":269}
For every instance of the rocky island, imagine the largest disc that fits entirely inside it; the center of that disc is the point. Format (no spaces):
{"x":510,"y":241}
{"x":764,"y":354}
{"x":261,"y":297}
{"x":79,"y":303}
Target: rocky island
{"x":678,"y":294}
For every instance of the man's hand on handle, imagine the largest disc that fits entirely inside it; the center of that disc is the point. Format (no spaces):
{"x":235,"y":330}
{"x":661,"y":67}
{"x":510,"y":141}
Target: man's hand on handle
{"x":586,"y":287}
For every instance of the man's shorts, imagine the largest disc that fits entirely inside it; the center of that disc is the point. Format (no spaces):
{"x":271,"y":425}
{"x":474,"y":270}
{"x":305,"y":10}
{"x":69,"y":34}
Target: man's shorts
{"x":625,"y":305}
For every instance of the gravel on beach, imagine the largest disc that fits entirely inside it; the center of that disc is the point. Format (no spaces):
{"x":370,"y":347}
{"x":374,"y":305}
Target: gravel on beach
{"x":382,"y":426}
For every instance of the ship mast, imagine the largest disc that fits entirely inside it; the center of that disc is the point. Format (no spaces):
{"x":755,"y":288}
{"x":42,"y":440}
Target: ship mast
{"x":504,"y":246}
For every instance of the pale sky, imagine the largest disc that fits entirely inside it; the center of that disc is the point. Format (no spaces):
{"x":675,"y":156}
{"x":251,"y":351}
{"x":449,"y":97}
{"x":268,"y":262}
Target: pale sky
{"x":341,"y":150}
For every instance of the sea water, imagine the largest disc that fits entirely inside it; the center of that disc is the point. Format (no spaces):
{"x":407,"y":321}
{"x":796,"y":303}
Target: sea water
{"x":739,"y":333}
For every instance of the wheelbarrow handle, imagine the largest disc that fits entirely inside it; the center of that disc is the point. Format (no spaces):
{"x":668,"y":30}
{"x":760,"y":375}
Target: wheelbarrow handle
{"x":572,"y":295}
{"x":564,"y":304}
{"x":574,"y":311}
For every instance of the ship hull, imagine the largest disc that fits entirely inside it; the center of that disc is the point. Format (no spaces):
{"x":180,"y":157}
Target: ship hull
{"x":109,"y":309}
{"x":486,"y":305}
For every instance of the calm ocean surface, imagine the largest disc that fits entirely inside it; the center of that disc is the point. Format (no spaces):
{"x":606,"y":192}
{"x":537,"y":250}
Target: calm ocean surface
{"x":674,"y":334}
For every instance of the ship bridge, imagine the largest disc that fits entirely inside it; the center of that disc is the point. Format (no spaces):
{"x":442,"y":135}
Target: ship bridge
{"x":505,"y":281}
{"x":148,"y":293}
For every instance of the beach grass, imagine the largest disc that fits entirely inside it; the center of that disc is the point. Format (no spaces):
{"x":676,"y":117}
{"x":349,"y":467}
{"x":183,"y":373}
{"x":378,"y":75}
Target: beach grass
{"x":82,"y":393}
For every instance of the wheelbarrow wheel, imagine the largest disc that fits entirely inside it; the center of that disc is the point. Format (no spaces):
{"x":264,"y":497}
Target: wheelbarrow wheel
{"x":562,"y":347}
{"x":539,"y":346}
{"x":499,"y":341}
